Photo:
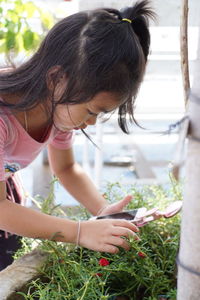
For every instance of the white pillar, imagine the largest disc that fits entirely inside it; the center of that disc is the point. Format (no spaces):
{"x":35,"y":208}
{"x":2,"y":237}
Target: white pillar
{"x":189,"y":255}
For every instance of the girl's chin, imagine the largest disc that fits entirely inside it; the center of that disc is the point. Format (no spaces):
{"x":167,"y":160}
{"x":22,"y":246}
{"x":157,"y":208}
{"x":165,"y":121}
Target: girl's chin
{"x":69,"y":128}
{"x":62,"y":128}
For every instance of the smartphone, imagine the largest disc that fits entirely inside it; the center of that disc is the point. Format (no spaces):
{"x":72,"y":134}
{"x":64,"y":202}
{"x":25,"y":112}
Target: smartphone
{"x":131,"y":215}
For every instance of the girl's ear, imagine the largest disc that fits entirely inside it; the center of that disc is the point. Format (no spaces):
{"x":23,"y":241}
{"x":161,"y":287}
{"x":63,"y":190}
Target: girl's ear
{"x":55,"y":76}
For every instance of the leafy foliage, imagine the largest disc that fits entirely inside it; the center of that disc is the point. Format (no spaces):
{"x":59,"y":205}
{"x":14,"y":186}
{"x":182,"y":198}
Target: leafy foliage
{"x":147,"y":271}
{"x":18,"y":19}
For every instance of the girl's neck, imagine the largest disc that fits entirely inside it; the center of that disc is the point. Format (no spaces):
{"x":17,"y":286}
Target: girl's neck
{"x":11,"y":98}
{"x":37,"y":123}
{"x":36,"y":120}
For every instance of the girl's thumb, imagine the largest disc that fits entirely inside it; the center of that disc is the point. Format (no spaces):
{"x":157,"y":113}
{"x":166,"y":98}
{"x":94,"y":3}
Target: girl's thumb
{"x":126,"y":200}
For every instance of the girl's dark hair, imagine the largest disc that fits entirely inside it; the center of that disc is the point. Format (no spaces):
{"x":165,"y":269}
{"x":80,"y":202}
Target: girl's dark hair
{"x":97,"y":50}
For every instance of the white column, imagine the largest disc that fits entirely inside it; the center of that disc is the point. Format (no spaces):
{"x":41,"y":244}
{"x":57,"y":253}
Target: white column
{"x":189,"y":256}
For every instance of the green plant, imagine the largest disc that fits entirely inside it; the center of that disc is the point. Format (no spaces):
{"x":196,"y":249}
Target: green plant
{"x":147,"y":271}
{"x":17,"y":32}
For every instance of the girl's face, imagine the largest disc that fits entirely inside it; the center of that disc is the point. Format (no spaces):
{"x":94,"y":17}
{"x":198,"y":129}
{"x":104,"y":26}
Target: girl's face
{"x":77,"y":116}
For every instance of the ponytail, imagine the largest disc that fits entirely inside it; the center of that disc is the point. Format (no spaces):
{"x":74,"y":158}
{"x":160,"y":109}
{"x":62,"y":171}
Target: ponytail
{"x":139,"y":14}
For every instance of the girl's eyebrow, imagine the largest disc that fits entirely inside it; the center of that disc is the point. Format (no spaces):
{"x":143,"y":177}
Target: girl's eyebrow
{"x":102,"y":109}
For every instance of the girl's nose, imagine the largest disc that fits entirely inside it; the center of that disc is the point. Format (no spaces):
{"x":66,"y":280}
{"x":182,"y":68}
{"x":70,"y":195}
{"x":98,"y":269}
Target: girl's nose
{"x":91,"y":120}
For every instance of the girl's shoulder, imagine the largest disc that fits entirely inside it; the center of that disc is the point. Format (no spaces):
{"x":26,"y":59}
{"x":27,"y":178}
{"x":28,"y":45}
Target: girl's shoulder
{"x":4,"y":123}
{"x":4,"y":131}
{"x":7,"y":126}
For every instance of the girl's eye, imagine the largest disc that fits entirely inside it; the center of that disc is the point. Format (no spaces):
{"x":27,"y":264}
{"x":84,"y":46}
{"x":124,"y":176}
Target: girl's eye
{"x":92,"y":113}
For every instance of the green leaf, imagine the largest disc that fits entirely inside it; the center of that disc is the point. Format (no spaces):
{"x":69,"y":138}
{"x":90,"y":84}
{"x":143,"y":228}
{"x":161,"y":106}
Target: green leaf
{"x":2,"y":34}
{"x":46,"y":19}
{"x":19,"y":43}
{"x":19,"y":7}
{"x":19,"y":25}
{"x":13,"y":15}
{"x":30,"y":9}
{"x":10,"y":40}
{"x":10,"y":25}
{"x":16,"y":32}
{"x":37,"y":40}
{"x":28,"y":38}
{"x":2,"y":47}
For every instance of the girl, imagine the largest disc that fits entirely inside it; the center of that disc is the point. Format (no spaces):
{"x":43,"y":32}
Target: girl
{"x":89,"y":63}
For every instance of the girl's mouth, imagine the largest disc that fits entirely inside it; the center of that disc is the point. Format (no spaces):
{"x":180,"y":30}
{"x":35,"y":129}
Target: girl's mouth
{"x":80,"y":127}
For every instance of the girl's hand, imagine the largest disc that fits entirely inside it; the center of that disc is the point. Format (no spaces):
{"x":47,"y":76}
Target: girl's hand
{"x":106,"y":235}
{"x":116,"y":207}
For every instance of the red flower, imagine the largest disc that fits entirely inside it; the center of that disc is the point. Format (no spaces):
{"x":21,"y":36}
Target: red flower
{"x":141,"y":254}
{"x":99,"y":274}
{"x":103,"y":262}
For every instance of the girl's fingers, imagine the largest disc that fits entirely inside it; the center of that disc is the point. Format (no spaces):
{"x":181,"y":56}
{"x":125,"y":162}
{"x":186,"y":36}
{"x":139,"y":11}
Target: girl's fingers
{"x":127,"y":199}
{"x":120,"y":242}
{"x":106,"y":235}
{"x":127,"y":224}
{"x":121,"y":204}
{"x":116,"y":207}
{"x":110,"y":249}
{"x":120,"y":231}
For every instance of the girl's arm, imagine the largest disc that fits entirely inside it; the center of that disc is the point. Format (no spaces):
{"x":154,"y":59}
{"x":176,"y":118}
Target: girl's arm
{"x":99,"y":235}
{"x":75,"y":180}
{"x":28,"y":222}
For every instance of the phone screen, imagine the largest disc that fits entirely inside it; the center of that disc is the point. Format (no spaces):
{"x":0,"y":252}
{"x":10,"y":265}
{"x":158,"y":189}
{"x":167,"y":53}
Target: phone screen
{"x":126,"y":215}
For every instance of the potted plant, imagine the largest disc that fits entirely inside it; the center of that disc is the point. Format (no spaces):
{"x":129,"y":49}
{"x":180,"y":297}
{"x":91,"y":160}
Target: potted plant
{"x":18,"y":19}
{"x":147,"y":271}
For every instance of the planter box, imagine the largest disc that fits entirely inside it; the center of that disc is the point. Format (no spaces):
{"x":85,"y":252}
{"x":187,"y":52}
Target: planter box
{"x":16,"y":276}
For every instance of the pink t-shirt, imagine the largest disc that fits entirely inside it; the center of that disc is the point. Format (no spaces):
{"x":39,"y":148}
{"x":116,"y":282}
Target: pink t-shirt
{"x":18,"y":149}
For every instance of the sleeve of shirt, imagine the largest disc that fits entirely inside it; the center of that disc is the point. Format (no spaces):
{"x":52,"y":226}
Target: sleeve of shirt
{"x":63,"y":140}
{"x":2,"y":143}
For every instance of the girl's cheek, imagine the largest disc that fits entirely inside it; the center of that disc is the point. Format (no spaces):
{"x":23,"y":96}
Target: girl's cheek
{"x":70,"y":116}
{"x":66,"y":120}
{"x":76,"y":118}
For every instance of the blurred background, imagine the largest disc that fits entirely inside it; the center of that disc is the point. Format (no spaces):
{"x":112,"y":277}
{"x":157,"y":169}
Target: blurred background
{"x":145,"y":155}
